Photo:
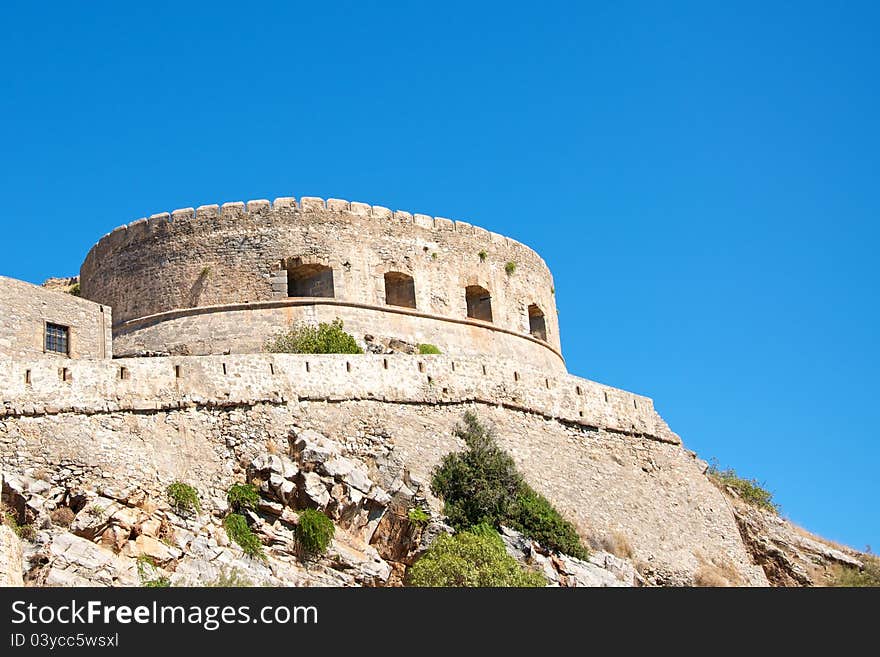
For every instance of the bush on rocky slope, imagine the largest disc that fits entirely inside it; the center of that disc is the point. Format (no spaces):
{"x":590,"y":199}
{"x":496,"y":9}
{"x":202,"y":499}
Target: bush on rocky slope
{"x":476,"y":557}
{"x":748,"y":490}
{"x":482,"y":485}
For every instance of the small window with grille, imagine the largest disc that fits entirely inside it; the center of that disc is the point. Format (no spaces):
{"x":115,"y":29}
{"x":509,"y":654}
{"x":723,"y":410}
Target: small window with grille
{"x":58,"y":339}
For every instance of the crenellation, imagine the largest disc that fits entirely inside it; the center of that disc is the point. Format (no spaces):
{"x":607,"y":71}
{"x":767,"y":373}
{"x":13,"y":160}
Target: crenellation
{"x":258,"y":206}
{"x":361,"y":208}
{"x":232,"y":211}
{"x":284,"y":203}
{"x":380,"y":212}
{"x":208,"y":212}
{"x":338,"y":205}
{"x":183,"y":214}
{"x":423,"y":221}
{"x":442,"y":223}
{"x":311,"y":204}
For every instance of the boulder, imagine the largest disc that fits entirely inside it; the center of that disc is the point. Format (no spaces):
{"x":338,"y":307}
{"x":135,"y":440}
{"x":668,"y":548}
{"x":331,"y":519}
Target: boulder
{"x":315,"y":490}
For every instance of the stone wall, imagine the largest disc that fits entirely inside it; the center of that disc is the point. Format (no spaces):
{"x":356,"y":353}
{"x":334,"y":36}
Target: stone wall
{"x":25,"y":309}
{"x":245,"y":329}
{"x":141,"y":384}
{"x":651,"y":492}
{"x":240,"y":253}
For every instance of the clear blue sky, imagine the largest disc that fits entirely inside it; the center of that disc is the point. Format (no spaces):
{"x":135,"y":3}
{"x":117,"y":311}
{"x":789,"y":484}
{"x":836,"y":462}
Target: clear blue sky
{"x":703,"y":178}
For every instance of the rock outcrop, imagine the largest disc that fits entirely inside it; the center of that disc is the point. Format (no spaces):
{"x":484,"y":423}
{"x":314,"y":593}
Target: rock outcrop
{"x":789,"y":555}
{"x":101,"y":536}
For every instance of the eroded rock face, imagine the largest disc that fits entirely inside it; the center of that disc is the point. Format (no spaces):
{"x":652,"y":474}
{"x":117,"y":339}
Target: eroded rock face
{"x":10,"y":558}
{"x":130,"y":537}
{"x":789,"y":555}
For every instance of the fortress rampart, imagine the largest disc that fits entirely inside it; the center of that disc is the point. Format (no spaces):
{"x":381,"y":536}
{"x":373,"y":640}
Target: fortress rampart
{"x":149,"y":384}
{"x":250,"y":269}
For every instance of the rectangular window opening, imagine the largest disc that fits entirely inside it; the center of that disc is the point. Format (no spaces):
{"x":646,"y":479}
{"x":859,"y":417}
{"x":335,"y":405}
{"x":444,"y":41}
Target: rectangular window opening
{"x":347,"y":366}
{"x":27,"y":377}
{"x":58,"y":339}
{"x":224,"y":369}
{"x":307,"y":367}
{"x":421,"y":367}
{"x":484,"y":370}
{"x":65,"y":374}
{"x":123,"y":373}
{"x":177,"y":371}
{"x":578,"y":390}
{"x":606,"y":397}
{"x":385,"y":363}
{"x":272,"y":369}
{"x":516,"y":376}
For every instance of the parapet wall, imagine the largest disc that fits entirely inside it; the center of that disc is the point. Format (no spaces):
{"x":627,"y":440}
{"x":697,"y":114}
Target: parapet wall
{"x":25,"y":309}
{"x":150,"y":384}
{"x":237,"y":253}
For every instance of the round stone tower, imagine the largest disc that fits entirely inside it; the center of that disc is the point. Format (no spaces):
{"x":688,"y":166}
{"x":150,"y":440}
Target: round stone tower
{"x":225,"y":279}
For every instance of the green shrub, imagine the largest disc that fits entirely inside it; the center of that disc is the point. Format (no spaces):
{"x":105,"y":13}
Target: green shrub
{"x":510,"y":268}
{"x":148,"y":574}
{"x":471,"y":558}
{"x":242,"y":497}
{"x":434,"y":256}
{"x":483,"y":255}
{"x":314,"y":532}
{"x":479,"y":484}
{"x":183,"y":498}
{"x":748,"y":490}
{"x":239,"y":531}
{"x":417,"y":515}
{"x":75,"y":290}
{"x":429,"y":349}
{"x":229,"y":578}
{"x":869,"y":575}
{"x":538,"y":520}
{"x":482,"y":485}
{"x":310,"y":339}
{"x":24,"y":532}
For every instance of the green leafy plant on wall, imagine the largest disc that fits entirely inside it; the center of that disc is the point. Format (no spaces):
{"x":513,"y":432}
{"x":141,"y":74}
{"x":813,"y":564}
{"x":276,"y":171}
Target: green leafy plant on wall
{"x":483,"y":255}
{"x":310,"y":339}
{"x":183,"y":498}
{"x":428,"y":349}
{"x":314,"y":532}
{"x":510,"y":268}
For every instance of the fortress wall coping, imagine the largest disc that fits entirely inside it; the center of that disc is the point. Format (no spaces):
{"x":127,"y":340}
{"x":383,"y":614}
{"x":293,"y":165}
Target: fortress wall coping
{"x":154,"y":384}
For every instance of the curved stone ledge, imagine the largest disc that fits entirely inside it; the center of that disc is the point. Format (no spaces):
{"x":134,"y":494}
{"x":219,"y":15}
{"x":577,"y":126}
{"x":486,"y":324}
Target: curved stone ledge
{"x":156,"y":384}
{"x":161,"y":333}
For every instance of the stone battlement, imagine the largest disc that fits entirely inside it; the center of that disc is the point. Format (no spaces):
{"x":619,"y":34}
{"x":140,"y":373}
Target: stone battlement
{"x":236,"y":210}
{"x":47,"y":387}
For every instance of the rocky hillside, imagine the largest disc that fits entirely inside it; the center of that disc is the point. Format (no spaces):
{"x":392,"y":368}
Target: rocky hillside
{"x":101,"y":536}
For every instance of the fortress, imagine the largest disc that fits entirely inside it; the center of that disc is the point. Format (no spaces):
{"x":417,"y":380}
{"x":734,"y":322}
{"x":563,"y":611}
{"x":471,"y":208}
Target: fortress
{"x":141,"y":379}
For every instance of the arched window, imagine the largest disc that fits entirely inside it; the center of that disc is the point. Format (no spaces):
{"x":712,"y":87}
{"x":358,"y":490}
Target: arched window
{"x":537,"y":326}
{"x":400,"y":290}
{"x":479,"y":303}
{"x":310,"y":280}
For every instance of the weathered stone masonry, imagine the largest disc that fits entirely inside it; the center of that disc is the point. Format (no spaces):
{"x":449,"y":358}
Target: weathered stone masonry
{"x":260,"y":254}
{"x":25,"y":310}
